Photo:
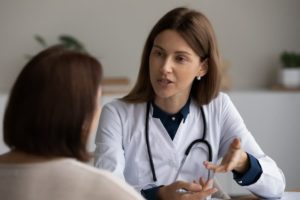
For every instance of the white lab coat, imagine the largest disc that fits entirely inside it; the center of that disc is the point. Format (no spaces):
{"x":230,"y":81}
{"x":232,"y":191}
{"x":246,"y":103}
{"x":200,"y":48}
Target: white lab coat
{"x":121,"y":145}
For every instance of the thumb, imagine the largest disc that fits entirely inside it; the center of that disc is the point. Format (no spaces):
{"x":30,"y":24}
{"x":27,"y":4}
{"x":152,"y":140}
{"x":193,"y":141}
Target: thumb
{"x":194,"y":187}
{"x":236,"y":143}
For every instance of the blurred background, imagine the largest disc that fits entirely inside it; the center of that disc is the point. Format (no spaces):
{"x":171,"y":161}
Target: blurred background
{"x":252,"y":34}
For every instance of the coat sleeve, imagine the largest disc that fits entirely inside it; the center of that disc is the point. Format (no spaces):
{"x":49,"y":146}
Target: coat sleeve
{"x":109,"y":153}
{"x":271,"y":183}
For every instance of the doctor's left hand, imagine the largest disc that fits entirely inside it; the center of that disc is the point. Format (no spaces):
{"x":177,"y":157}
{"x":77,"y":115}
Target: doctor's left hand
{"x":235,"y":159}
{"x":197,"y":191}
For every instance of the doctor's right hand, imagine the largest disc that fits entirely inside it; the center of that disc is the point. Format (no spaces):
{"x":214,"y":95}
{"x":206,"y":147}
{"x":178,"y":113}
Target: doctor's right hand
{"x":197,"y":191}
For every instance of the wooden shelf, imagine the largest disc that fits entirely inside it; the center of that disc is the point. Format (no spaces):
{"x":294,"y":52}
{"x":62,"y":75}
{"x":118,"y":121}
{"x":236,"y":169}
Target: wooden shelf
{"x":283,"y":88}
{"x":115,"y":81}
{"x":115,"y":85}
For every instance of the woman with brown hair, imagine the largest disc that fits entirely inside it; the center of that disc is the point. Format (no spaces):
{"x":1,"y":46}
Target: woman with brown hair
{"x":167,"y":135}
{"x":53,"y":107}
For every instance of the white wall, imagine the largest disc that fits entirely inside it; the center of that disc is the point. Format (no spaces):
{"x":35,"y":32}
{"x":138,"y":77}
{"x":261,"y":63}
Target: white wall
{"x":251,"y":34}
{"x":3,"y":101}
{"x":273,"y":119}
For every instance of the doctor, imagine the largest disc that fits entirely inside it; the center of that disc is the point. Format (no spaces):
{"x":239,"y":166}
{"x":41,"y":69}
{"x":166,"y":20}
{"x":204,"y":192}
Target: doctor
{"x":168,"y":134}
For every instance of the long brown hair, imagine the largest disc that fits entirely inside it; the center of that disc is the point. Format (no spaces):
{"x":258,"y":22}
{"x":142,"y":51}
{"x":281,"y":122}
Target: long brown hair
{"x":52,"y":103}
{"x":198,"y":32}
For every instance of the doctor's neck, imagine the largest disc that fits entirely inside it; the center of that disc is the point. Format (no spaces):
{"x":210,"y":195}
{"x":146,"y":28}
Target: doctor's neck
{"x":170,"y":105}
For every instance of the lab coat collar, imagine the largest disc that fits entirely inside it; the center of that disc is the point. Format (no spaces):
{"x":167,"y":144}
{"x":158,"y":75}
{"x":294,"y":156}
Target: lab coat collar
{"x":163,"y":116}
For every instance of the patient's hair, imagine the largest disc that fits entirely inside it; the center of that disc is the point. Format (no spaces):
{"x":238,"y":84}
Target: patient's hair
{"x":52,"y":104}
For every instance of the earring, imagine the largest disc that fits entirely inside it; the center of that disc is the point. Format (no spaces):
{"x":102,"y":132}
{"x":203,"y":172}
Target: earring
{"x":198,"y":78}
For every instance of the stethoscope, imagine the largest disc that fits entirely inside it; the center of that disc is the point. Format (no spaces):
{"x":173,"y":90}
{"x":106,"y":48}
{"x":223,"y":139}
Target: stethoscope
{"x":187,"y":151}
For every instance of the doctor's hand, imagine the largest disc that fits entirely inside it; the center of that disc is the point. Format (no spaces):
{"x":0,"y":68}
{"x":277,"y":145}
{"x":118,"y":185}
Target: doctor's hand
{"x":195,"y":191}
{"x":235,"y":159}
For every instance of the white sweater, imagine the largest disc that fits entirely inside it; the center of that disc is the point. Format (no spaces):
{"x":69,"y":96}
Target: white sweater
{"x":62,"y":179}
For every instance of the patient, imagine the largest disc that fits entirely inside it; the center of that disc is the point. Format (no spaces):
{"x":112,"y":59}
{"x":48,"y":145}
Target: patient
{"x":53,"y":107}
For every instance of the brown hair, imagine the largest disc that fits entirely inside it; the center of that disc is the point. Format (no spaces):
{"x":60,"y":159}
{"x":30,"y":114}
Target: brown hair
{"x":196,"y":29}
{"x":52,"y":100}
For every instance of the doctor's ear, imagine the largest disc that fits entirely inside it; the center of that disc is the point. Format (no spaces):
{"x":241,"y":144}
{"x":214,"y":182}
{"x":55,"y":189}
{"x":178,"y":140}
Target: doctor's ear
{"x":203,"y":67}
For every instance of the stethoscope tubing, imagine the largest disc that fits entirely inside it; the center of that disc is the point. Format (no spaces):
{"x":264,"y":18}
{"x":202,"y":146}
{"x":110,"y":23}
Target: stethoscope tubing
{"x":187,"y":151}
{"x":147,"y":142}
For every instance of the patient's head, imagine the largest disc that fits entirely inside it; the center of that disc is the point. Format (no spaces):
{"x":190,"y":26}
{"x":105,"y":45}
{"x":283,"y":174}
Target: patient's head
{"x":54,"y":104}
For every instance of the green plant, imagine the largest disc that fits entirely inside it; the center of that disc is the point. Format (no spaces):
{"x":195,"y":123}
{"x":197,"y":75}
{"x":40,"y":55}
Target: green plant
{"x":290,"y":59}
{"x":66,"y":40}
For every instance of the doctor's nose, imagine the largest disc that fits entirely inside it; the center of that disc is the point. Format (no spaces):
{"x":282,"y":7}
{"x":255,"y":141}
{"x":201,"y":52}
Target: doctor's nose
{"x":166,"y":66}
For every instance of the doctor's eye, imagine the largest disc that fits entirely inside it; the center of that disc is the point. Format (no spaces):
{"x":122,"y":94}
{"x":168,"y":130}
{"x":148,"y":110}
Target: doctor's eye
{"x":181,"y":59}
{"x":157,"y":53}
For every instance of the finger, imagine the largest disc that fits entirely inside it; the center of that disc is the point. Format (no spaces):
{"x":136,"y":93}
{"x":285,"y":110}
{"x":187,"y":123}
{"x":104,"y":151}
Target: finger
{"x":221,"y":169}
{"x":209,"y":192}
{"x":233,"y":161}
{"x":202,"y":182}
{"x":201,"y":195}
{"x":216,"y":168}
{"x":228,"y":166}
{"x":231,"y":165}
{"x":208,"y":185}
{"x":235,"y":144}
{"x":193,"y":187}
{"x":209,"y":165}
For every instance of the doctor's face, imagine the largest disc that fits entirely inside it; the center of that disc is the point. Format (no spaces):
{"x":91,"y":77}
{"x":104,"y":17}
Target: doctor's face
{"x":173,"y":66}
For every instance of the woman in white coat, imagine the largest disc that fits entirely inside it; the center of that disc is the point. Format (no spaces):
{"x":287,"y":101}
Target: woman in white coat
{"x":143,"y":137}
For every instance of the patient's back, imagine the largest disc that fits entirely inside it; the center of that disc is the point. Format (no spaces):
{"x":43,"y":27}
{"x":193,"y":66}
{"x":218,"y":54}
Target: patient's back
{"x":62,"y":179}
